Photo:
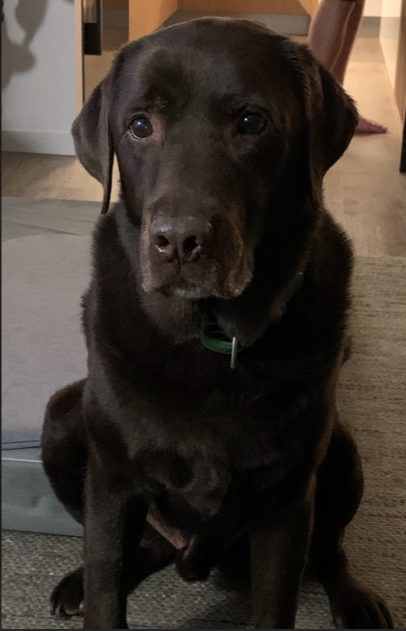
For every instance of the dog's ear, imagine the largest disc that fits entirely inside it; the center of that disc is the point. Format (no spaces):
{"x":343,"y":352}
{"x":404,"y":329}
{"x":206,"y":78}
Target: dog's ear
{"x":92,"y":137}
{"x":331,"y":118}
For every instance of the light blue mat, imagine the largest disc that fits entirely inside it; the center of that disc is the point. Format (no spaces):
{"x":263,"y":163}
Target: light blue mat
{"x":45,"y":270}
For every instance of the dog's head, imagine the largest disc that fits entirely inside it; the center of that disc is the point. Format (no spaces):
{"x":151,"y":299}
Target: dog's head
{"x":223,"y":132}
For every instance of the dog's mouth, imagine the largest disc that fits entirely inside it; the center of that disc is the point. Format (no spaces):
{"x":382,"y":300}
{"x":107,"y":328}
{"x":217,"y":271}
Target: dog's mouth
{"x":191,"y":293}
{"x":177,"y":289}
{"x":196,"y":282}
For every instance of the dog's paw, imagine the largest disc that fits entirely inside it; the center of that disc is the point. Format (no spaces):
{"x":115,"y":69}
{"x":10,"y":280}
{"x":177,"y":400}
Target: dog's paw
{"x":67,"y":597}
{"x":192,"y":565}
{"x":360,"y":609}
{"x":191,"y":574}
{"x":191,"y":571}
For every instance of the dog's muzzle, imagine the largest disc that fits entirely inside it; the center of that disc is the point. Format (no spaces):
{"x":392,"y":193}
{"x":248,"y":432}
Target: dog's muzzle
{"x":194,"y":256}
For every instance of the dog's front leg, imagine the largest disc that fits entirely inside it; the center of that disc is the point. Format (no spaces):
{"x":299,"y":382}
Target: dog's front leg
{"x":279,"y":547}
{"x":114,"y":522}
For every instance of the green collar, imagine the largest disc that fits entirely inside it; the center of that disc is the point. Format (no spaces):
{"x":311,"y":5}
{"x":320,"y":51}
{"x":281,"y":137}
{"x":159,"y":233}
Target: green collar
{"x":215,"y":340}
{"x":218,"y":342}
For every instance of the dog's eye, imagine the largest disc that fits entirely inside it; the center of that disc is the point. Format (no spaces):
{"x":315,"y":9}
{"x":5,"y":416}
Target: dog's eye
{"x":251,"y":123}
{"x":141,"y":127}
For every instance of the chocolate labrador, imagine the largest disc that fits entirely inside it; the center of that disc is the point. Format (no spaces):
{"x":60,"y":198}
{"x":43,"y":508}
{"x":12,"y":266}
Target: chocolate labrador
{"x":215,"y":325}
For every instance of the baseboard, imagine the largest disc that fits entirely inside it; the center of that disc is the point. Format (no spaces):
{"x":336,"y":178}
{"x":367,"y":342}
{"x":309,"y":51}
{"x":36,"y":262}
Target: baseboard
{"x":52,"y":142}
{"x":370,"y":26}
{"x":288,"y":24}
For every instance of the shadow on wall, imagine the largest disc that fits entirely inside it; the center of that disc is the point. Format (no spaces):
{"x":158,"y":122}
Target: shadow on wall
{"x":16,"y":56}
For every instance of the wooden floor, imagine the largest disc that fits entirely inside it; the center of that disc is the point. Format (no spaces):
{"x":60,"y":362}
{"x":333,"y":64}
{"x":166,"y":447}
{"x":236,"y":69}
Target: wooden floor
{"x":364,"y":191}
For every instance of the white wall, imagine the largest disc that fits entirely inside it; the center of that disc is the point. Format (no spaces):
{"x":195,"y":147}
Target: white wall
{"x":389,"y":35}
{"x":41,"y":80}
{"x":372,"y":7}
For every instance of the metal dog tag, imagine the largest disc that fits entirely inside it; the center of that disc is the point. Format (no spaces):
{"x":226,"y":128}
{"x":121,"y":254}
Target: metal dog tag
{"x":234,"y":350}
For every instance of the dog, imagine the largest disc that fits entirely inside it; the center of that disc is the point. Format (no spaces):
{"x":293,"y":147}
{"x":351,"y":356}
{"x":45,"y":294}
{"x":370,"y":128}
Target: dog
{"x":215,"y":324}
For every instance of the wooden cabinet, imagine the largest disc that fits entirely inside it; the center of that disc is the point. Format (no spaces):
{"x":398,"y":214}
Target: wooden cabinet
{"x":400,"y":81}
{"x":400,"y":77}
{"x":147,"y":15}
{"x":310,"y":6}
{"x":247,"y":6}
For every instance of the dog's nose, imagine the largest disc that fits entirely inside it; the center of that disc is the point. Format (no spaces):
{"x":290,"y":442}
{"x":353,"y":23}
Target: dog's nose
{"x":185,"y":238}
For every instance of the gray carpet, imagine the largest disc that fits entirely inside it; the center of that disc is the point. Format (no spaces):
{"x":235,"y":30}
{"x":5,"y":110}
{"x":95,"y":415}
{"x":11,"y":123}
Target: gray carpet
{"x":33,"y":564}
{"x":371,"y":399}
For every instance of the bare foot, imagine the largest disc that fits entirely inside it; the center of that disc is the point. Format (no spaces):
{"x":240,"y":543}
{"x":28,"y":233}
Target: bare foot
{"x":367,"y":126}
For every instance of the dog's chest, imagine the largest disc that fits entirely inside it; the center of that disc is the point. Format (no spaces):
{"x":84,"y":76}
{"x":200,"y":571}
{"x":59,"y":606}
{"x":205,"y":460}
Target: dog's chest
{"x":191,"y":456}
{"x":197,"y":480}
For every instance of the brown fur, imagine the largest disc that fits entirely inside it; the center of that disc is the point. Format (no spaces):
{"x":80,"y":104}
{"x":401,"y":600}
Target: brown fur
{"x":214,"y":222}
